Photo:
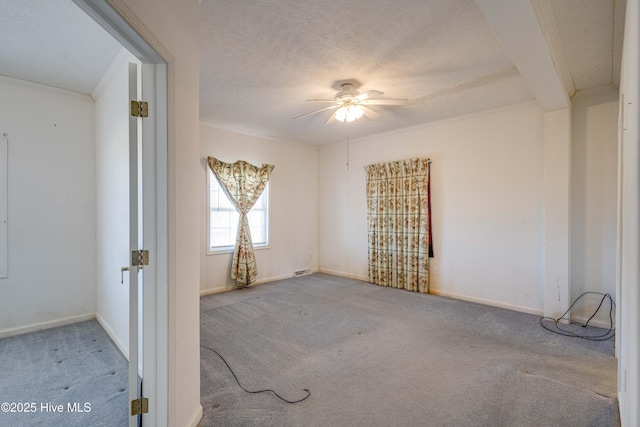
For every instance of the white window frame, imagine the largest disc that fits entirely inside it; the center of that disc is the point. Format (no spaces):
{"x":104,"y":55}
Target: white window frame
{"x":229,"y":249}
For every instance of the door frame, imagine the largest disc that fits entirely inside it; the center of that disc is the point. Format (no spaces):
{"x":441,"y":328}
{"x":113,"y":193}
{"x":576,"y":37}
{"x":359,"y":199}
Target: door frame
{"x":157,"y":70}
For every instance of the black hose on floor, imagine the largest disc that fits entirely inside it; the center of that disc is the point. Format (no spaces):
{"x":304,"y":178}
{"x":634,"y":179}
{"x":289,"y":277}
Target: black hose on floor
{"x":256,"y":391}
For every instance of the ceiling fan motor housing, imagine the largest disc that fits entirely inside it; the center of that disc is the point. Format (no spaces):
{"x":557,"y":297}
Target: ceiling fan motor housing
{"x":347,"y":93}
{"x":351,"y":104}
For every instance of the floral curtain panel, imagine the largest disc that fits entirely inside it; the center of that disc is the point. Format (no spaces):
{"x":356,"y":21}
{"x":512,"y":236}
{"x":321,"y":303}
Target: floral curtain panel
{"x":243,"y":183}
{"x":399,"y":224}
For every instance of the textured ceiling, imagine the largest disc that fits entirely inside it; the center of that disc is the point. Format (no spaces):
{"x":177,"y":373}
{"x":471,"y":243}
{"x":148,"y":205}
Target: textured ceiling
{"x":261,"y":60}
{"x":54,"y":43}
{"x":586,"y":34}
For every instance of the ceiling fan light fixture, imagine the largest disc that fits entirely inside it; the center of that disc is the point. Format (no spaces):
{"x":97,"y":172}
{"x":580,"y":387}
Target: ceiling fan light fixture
{"x":350,"y":105}
{"x":349,"y":113}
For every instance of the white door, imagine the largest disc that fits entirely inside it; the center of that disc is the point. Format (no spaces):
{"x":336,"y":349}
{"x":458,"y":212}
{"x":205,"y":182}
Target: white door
{"x":136,"y":270}
{"x":153,"y":178}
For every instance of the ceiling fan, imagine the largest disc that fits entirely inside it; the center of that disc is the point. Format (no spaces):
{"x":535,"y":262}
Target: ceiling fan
{"x":350,"y":104}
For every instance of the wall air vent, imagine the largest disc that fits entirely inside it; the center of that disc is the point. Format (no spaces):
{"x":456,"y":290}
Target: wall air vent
{"x":301,"y":272}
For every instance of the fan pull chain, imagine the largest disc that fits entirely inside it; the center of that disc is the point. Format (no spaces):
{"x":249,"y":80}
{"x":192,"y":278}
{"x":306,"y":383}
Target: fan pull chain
{"x":347,"y":145}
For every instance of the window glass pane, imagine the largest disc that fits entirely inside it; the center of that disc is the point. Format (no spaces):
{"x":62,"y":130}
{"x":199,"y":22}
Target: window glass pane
{"x":224,"y":218}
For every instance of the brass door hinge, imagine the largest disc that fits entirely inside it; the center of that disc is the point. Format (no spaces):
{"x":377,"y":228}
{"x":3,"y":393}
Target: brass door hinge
{"x":140,"y":406}
{"x":139,"y":258}
{"x":139,"y":109}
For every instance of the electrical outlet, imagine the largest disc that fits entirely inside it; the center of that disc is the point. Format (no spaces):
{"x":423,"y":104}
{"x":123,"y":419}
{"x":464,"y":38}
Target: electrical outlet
{"x":436,"y":270}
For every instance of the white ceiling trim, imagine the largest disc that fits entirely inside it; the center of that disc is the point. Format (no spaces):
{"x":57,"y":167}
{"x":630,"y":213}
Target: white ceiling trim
{"x":245,"y":132}
{"x":516,"y":25}
{"x":620,"y":7}
{"x":441,"y":122}
{"x":547,"y":22}
{"x":45,"y":87}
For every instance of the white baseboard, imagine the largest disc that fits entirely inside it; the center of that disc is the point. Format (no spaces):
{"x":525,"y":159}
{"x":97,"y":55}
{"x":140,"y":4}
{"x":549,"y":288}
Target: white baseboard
{"x":343,"y":274}
{"x":123,"y":349}
{"x":489,"y":302}
{"x":257,"y":282}
{"x":593,"y":322}
{"x":196,"y":418}
{"x":272,"y":279}
{"x":47,"y":325}
{"x":214,"y":291}
{"x":451,"y":295}
{"x":580,"y":319}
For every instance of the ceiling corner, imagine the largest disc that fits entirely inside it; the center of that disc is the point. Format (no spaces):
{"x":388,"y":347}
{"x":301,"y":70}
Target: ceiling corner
{"x":519,"y":29}
{"x":620,"y":7}
{"x":547,"y":22}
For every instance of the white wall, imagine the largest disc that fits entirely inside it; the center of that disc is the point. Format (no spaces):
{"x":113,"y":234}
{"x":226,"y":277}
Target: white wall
{"x":293,"y":242}
{"x":511,"y":139}
{"x":174,"y":24}
{"x":487,"y":197}
{"x":51,"y":206}
{"x":557,"y":212}
{"x":628,"y":332}
{"x":594,"y":165}
{"x":112,"y":194}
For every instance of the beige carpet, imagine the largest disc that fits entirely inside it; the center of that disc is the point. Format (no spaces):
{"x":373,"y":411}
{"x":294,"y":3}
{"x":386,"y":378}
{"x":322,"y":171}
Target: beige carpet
{"x":374,"y":356}
{"x":67,"y":376}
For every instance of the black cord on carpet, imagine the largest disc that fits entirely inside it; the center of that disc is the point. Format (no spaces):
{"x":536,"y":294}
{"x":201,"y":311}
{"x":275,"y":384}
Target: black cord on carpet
{"x":567,"y":333}
{"x":257,"y":391}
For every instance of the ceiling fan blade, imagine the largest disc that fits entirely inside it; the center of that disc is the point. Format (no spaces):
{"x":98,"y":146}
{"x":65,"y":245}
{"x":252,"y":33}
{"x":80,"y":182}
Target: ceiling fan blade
{"x":321,"y":100}
{"x":331,"y":119}
{"x":369,"y":112}
{"x":368,"y":94}
{"x":380,"y":101}
{"x":317,"y":111}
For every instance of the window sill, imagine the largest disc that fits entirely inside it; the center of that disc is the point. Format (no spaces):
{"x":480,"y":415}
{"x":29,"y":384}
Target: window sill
{"x":229,"y":249}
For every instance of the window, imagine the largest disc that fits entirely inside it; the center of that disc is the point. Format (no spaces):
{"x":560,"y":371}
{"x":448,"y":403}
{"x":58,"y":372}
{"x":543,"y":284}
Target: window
{"x":223,"y":219}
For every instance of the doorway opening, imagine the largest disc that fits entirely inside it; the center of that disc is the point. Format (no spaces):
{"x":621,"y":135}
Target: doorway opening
{"x":72,"y":240}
